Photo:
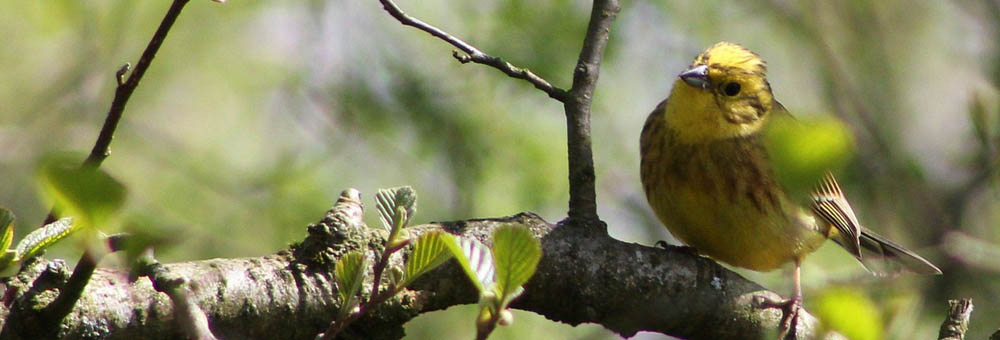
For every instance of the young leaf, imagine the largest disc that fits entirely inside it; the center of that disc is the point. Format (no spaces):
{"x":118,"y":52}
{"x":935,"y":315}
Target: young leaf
{"x":6,"y":228}
{"x":389,"y":202}
{"x":350,"y":273}
{"x":6,"y":259}
{"x":516,"y":254}
{"x":429,"y":251}
{"x":475,"y":259}
{"x":90,"y":195}
{"x":44,"y":237}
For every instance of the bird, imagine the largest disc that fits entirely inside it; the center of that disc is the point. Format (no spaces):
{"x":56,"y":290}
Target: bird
{"x":705,"y":170}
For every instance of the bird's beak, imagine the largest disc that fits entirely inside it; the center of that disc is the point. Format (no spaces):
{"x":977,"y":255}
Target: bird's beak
{"x":696,"y":76}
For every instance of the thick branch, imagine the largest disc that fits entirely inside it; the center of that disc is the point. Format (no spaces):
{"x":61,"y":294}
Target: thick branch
{"x":190,"y":318}
{"x":582,"y":196}
{"x":473,"y":54}
{"x":291,"y":295}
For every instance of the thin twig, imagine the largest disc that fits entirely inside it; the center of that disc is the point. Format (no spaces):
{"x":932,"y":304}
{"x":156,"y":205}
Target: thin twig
{"x":473,"y":54}
{"x":337,"y":326}
{"x":124,"y":90}
{"x":102,"y":148}
{"x":957,"y":322}
{"x":374,"y":299}
{"x":70,"y":294}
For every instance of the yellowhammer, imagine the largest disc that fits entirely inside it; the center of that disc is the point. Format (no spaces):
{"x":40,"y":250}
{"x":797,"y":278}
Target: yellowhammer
{"x":706,"y":174}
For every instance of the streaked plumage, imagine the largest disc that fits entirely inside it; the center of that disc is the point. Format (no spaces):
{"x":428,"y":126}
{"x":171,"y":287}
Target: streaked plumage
{"x":706,"y":173}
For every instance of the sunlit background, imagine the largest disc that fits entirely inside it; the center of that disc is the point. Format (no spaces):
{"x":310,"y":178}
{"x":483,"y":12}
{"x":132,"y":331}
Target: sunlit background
{"x":255,"y":115}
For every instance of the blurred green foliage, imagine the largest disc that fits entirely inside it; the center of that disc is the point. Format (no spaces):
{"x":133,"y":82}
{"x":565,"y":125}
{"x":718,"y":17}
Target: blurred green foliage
{"x":255,"y":115}
{"x":90,"y":196}
{"x":803,"y":150}
{"x":849,"y":313}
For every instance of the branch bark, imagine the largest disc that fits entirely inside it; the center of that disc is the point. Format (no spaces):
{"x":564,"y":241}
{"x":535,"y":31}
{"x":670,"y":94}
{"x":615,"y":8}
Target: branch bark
{"x":125,"y":88}
{"x":582,"y":194}
{"x":583,"y":277}
{"x":957,"y":322}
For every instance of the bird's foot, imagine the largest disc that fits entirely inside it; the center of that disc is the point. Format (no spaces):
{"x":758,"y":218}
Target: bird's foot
{"x":683,"y":249}
{"x":789,"y":311}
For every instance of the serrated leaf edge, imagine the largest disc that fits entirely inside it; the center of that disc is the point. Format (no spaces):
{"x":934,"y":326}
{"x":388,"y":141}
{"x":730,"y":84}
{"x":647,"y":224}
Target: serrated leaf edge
{"x":349,"y":279}
{"x":429,"y":252}
{"x":516,"y":254}
{"x":44,"y":237}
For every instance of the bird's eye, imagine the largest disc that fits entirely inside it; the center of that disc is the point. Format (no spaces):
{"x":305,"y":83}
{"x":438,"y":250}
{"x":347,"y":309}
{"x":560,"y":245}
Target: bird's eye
{"x":731,"y":89}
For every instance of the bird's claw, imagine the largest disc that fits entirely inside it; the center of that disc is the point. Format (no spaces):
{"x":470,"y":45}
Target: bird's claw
{"x":789,"y":311}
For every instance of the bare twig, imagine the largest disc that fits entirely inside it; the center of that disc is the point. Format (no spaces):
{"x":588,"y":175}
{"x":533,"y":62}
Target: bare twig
{"x":582,"y":193}
{"x":124,"y":90}
{"x":473,"y":54}
{"x":957,"y":321}
{"x":102,"y":148}
{"x":53,"y":314}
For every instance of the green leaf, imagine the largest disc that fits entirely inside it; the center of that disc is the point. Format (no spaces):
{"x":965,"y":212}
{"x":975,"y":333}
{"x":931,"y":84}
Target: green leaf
{"x":350,"y":271}
{"x":516,"y":254}
{"x":396,"y":206}
{"x":802,"y":150}
{"x":6,"y":228}
{"x":475,"y":259}
{"x":90,"y":195}
{"x":429,"y":251}
{"x":7,"y":258}
{"x":850,"y":313}
{"x":44,"y":237}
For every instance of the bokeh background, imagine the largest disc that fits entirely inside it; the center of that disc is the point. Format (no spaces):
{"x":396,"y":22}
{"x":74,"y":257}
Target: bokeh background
{"x":255,"y":115}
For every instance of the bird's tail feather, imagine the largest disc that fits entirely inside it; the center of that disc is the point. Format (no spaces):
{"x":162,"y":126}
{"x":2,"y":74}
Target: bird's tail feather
{"x":883,"y":257}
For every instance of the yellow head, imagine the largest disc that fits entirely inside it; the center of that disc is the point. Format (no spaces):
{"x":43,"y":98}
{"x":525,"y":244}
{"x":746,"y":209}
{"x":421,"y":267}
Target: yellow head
{"x":723,"y":94}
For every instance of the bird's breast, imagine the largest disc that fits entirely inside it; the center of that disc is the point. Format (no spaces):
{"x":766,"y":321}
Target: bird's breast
{"x":721,"y":197}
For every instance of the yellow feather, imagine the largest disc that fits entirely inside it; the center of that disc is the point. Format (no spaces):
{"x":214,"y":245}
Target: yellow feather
{"x":707,"y":175}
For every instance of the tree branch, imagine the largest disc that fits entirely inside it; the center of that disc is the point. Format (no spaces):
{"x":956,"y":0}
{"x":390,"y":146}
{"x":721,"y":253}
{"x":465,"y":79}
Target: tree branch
{"x":957,"y":322}
{"x":582,"y":194}
{"x":188,"y":315}
{"x":473,"y":54}
{"x":583,"y":277}
{"x":102,"y":147}
{"x":53,"y":314}
{"x":124,"y":89}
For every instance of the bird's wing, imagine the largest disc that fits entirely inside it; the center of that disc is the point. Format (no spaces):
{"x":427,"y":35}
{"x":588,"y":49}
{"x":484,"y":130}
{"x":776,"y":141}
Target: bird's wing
{"x":829,"y":203}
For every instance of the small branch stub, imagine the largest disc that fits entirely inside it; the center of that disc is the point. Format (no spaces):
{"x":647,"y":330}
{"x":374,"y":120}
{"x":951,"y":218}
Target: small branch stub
{"x":120,"y":75}
{"x":957,"y":322}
